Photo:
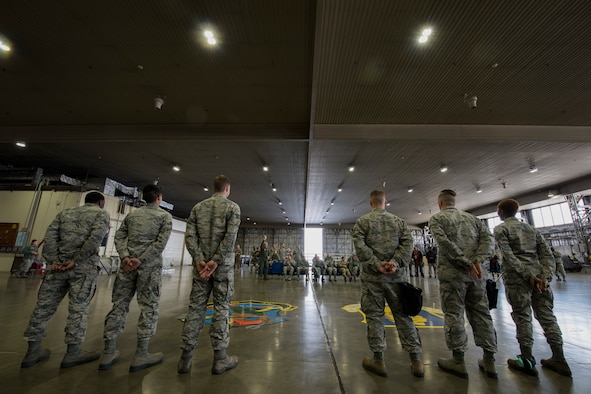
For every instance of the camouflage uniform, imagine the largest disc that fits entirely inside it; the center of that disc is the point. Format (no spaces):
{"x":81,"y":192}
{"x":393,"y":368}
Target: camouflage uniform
{"x":560,"y":272}
{"x":354,"y":265}
{"x":526,"y":255}
{"x":331,"y":267}
{"x":142,"y":235}
{"x":289,"y":267}
{"x":463,"y":239}
{"x":319,"y":267}
{"x":211,"y":233}
{"x":74,"y":235}
{"x":381,"y":236}
{"x":29,"y":254}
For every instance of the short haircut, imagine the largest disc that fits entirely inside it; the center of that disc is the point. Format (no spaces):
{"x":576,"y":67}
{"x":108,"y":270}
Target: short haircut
{"x":33,"y":240}
{"x":447,"y":196}
{"x":220,"y":183}
{"x":377,"y":197}
{"x":151,"y":193}
{"x":94,"y":197}
{"x":509,"y":206}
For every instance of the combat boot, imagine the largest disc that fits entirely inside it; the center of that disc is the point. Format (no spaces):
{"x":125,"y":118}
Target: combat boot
{"x":417,"y":368}
{"x":34,"y":355}
{"x":523,"y":364}
{"x":224,"y":364}
{"x":489,"y":367}
{"x":556,"y":365}
{"x":454,"y":367}
{"x":185,"y":362}
{"x":108,"y":359}
{"x":142,"y":358}
{"x":76,"y":356}
{"x":376,"y":366}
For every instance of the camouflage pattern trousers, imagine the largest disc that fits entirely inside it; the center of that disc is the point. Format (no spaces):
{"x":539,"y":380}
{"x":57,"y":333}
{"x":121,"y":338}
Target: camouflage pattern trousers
{"x":80,"y":285}
{"x":522,"y":299}
{"x":146,"y":282}
{"x":222,"y":287}
{"x":374,"y":295}
{"x":458,"y":297}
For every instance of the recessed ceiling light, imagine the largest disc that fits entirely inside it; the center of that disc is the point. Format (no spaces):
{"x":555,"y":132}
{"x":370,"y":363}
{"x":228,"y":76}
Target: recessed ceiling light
{"x":351,"y":168}
{"x":419,"y":213}
{"x":274,"y":188}
{"x":21,"y":144}
{"x":205,"y":189}
{"x":4,"y":47}
{"x":410,"y":189}
{"x":443,"y":168}
{"x":533,"y":168}
{"x":478,"y":190}
{"x":208,"y":33}
{"x":332,"y":203}
{"x":280,"y":203}
{"x":340,"y":189}
{"x":211,"y":41}
{"x":176,"y":167}
{"x":247,"y":218}
{"x":425,"y":35}
{"x":265,"y":168}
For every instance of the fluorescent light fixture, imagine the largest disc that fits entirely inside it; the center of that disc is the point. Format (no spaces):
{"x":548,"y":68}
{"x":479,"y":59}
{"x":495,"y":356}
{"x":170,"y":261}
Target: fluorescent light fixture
{"x":21,"y":144}
{"x":443,"y":168}
{"x":176,"y":168}
{"x":410,"y":189}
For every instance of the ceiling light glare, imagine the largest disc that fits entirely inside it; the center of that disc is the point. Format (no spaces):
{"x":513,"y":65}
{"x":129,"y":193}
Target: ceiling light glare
{"x":208,"y":33}
{"x":419,"y":213}
{"x":247,"y":219}
{"x":265,"y":168}
{"x":340,"y":189}
{"x":21,"y":144}
{"x":388,"y":204}
{"x":443,"y":168}
{"x":4,"y":47}
{"x":273,"y":188}
{"x":280,"y":203}
{"x":211,"y":41}
{"x":351,"y":168}
{"x":533,"y":169}
{"x":332,"y":203}
{"x":410,"y":189}
{"x":478,"y":190}
{"x":205,"y":189}
{"x":552,"y":193}
{"x":425,"y":35}
{"x":176,"y":168}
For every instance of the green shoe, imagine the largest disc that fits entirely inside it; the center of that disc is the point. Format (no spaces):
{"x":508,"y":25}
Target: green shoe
{"x":376,"y":366}
{"x":524,"y":365}
{"x":453,"y":367}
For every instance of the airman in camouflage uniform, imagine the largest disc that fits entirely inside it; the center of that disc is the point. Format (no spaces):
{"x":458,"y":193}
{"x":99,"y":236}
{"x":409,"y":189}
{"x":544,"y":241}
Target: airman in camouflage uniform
{"x":140,"y":241}
{"x":331,"y":267}
{"x":289,"y":267}
{"x":71,"y":248}
{"x":318,"y":267}
{"x":528,"y":267}
{"x":559,"y":265}
{"x":383,"y":243}
{"x":464,"y":244}
{"x":211,"y":233}
{"x":354,"y":266}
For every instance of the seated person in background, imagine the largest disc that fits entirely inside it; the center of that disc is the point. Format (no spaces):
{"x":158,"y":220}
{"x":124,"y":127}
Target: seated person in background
{"x":354,"y":266}
{"x":303,"y":268}
{"x":288,"y":267}
{"x":344,"y":269}
{"x":254,"y":259}
{"x":318,"y":267}
{"x":331,"y":267}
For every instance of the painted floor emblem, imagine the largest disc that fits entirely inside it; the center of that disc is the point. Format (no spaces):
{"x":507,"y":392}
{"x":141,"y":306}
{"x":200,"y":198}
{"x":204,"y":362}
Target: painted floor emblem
{"x":251,"y":313}
{"x":428,"y":318}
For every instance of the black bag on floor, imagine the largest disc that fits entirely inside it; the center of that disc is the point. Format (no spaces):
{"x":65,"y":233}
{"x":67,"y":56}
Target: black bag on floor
{"x":492,"y":293}
{"x":412,"y":299}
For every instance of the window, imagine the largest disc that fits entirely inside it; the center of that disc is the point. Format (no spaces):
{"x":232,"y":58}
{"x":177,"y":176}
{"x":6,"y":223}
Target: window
{"x":313,"y":242}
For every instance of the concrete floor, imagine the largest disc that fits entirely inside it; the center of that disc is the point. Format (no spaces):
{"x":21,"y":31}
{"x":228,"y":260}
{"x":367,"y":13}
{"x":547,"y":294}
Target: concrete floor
{"x":315,"y":348}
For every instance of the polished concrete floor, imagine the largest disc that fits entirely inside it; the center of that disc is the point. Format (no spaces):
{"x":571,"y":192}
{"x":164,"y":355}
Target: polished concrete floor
{"x":310,"y":340}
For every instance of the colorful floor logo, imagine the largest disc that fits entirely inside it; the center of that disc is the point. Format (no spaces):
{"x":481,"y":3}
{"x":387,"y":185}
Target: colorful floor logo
{"x":252,"y":314}
{"x":428,"y":318}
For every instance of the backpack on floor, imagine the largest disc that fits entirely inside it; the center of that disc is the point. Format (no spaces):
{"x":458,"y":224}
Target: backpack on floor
{"x":412,"y":299}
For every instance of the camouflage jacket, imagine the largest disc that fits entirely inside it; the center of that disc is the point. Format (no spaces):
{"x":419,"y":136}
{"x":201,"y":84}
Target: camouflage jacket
{"x":144,"y":234}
